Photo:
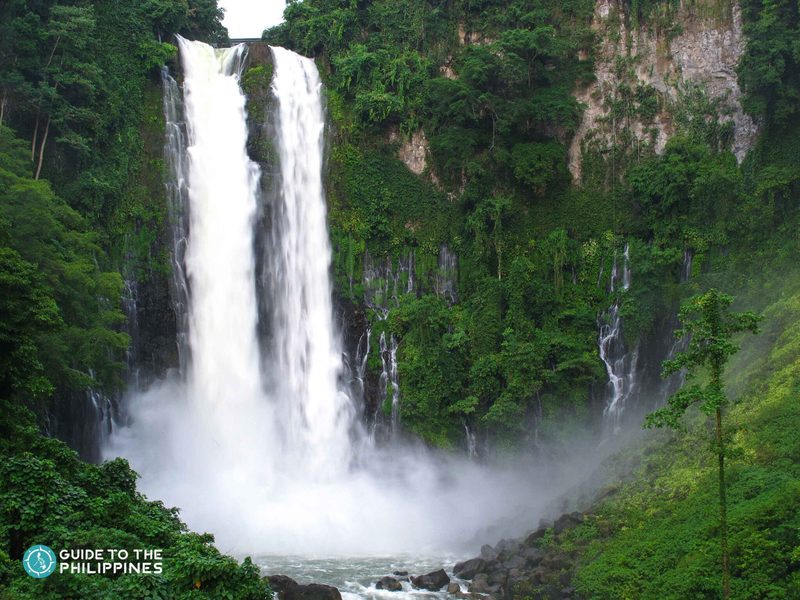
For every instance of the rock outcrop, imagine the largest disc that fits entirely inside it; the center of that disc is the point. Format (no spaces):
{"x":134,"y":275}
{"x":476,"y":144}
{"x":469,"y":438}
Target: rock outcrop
{"x":650,"y":67}
{"x":526,"y":567}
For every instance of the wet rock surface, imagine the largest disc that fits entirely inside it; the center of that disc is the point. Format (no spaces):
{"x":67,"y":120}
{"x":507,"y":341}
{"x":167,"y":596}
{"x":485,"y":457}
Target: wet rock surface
{"x":286,"y":588}
{"x":433,"y":581}
{"x":537,"y":566}
{"x":388,"y":583}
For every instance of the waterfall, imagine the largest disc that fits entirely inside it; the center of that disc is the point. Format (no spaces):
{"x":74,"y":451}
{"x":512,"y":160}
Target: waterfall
{"x":471,"y":441}
{"x":224,"y":372}
{"x":446,"y":274}
{"x":254,"y":437}
{"x":130,"y":302}
{"x":360,"y":363}
{"x":177,"y":190}
{"x":242,"y":415}
{"x":383,"y":286}
{"x":304,"y":350}
{"x":620,"y":364}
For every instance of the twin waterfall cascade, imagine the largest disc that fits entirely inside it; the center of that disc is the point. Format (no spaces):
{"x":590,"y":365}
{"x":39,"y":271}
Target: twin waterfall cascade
{"x":254,"y":437}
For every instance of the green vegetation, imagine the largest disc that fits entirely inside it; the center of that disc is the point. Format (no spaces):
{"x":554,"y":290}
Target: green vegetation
{"x":710,"y":346}
{"x":659,"y":532}
{"x":496,"y":114}
{"x":81,"y":201}
{"x":75,"y":85}
{"x":60,"y":310}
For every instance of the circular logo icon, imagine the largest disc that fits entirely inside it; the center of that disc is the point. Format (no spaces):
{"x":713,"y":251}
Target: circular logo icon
{"x":39,"y":561}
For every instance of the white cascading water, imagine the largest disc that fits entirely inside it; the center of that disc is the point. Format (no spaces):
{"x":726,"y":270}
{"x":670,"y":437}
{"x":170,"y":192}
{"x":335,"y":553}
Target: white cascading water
{"x":305,"y":354}
{"x":620,"y":364}
{"x":259,"y":445}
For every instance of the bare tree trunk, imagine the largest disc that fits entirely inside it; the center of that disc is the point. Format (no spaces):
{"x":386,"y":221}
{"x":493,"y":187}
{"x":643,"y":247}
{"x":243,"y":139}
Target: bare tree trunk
{"x":2,"y":107}
{"x":41,"y":148}
{"x":34,"y":136}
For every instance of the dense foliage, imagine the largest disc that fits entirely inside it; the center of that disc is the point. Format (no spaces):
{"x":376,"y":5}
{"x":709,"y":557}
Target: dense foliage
{"x":708,"y":325}
{"x":497,"y":115}
{"x":657,"y":536}
{"x":75,"y":83}
{"x":81,"y":202}
{"x":59,"y":310}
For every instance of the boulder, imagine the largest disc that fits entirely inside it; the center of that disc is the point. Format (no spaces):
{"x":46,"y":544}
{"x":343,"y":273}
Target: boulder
{"x":400,"y":573}
{"x":539,"y":575}
{"x":286,"y":588}
{"x":388,"y":583}
{"x":534,"y":537}
{"x":312,"y":591}
{"x":279,"y":583}
{"x":556,"y":562}
{"x":507,"y":547}
{"x":514,"y":562}
{"x":488,"y":552}
{"x":432,"y":582}
{"x":480,"y":584}
{"x":453,"y":588}
{"x":469,"y":568}
{"x":497,"y":576}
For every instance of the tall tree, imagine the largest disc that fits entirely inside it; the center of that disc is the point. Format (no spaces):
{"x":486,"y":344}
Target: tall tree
{"x":69,"y":81}
{"x":710,"y":326}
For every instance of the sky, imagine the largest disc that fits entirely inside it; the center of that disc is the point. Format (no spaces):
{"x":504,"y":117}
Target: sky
{"x":249,"y":18}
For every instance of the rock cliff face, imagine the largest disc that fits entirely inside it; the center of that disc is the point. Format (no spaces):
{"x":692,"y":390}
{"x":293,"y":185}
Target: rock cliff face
{"x":414,"y":152}
{"x":646,"y":73}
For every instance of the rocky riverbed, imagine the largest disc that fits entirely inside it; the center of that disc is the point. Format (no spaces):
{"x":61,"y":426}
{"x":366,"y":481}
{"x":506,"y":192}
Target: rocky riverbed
{"x":539,"y":565}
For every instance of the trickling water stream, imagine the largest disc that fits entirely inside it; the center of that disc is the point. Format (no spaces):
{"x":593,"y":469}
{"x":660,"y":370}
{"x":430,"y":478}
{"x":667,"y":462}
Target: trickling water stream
{"x":620,"y":364}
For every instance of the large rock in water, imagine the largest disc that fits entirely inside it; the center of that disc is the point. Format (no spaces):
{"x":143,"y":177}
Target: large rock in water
{"x":286,"y":588}
{"x":432,"y":581}
{"x":279,"y":583}
{"x":388,"y":583}
{"x":312,"y":591}
{"x":469,"y":568}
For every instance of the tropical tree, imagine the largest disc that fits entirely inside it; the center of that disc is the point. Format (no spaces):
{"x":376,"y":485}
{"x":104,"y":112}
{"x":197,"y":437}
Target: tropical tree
{"x":709,"y":325}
